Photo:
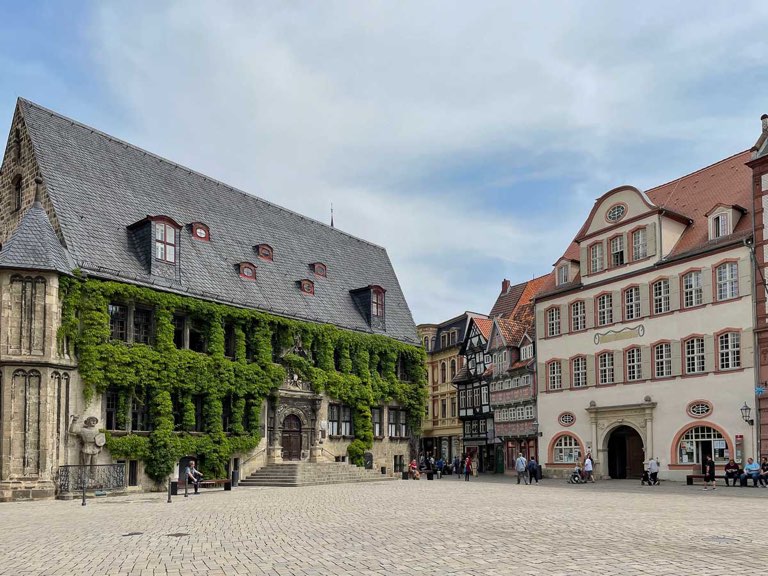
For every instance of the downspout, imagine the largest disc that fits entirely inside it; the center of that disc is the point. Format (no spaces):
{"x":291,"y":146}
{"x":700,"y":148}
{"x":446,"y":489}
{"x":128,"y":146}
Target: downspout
{"x":755,"y":350}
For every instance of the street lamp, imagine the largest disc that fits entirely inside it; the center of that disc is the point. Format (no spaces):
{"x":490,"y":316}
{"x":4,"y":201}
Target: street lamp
{"x":746,"y":411}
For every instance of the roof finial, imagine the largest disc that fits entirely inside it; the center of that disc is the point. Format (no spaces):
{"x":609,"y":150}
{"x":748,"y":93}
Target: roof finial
{"x":331,"y":214}
{"x":38,"y":190}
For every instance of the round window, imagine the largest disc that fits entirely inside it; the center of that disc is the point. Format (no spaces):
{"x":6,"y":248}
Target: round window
{"x":566,"y":418}
{"x":307,"y":287}
{"x":247,"y":271}
{"x":615,"y":212}
{"x":699,"y":409}
{"x":201,"y":233}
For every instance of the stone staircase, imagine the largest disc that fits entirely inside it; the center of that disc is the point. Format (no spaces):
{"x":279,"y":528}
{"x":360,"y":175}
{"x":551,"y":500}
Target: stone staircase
{"x":311,"y":474}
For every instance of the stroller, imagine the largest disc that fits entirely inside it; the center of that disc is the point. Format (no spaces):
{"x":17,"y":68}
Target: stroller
{"x":576,"y":476}
{"x":646,"y":480}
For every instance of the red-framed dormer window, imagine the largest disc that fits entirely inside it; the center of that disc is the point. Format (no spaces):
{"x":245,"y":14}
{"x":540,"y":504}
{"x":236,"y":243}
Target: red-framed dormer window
{"x":307,"y":287}
{"x":320,"y":269}
{"x":247,"y":271}
{"x":165,"y":240}
{"x":265,"y":252}
{"x":377,"y":301}
{"x":201,"y":232}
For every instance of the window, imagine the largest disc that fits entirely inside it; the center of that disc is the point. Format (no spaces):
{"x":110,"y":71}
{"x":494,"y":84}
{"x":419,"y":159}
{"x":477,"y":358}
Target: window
{"x":604,"y":309}
{"x":662,"y":356}
{"x":566,"y":450}
{"x":615,"y":212}
{"x":720,"y":226}
{"x":247,"y":270}
{"x":526,"y":352}
{"x":555,"y":376}
{"x":632,"y":303}
{"x":142,"y":326}
{"x":140,"y":414}
{"x":398,"y":423}
{"x":605,"y":364}
{"x":452,"y":338}
{"x":484,"y":394}
{"x":639,"y":244}
{"x":165,"y":242}
{"x":377,"y":302}
{"x":729,"y":346}
{"x":553,"y":322}
{"x":110,"y":400}
{"x":692,"y":292}
{"x":265,"y":252}
{"x":617,"y":251}
{"x":529,"y":412}
{"x":482,"y":426}
{"x":346,"y":421}
{"x":727,"y":281}
{"x":596,"y":258}
{"x":453,"y":407}
{"x":699,"y":442}
{"x":443,"y":340}
{"x":699,"y":409}
{"x":578,"y":316}
{"x":562,"y":274}
{"x":476,"y":396}
{"x":118,"y":322}
{"x":334,"y":413}
{"x":403,"y":423}
{"x":392,"y":423}
{"x":579,"y":372}
{"x":17,"y":193}
{"x":453,"y":368}
{"x":201,"y":232}
{"x":442,"y":372}
{"x":307,"y":287}
{"x":566,"y":419}
{"x":661,"y":296}
{"x":320,"y":269}
{"x":197,"y":339}
{"x":443,"y":408}
{"x":634,"y":364}
{"x":178,"y":331}
{"x":462,"y":399}
{"x":694,"y":356}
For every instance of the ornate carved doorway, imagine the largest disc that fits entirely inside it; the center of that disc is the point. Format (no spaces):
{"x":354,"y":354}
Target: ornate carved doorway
{"x":291,"y":438}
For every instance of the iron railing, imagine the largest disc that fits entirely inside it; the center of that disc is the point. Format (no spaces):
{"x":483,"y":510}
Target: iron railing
{"x":98,"y":477}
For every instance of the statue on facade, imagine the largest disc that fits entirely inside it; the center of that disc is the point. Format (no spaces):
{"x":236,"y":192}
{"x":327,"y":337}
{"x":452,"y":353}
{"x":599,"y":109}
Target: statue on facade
{"x":90,"y":438}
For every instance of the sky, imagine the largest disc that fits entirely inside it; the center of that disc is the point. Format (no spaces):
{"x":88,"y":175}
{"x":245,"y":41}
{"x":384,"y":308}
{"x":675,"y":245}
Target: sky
{"x":469,"y":139}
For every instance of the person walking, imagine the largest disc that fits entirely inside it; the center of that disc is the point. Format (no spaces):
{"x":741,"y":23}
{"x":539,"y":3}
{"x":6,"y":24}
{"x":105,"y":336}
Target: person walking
{"x":467,"y":468}
{"x":533,"y":471}
{"x":521,"y":465}
{"x":709,"y":473}
{"x":457,"y":466}
{"x":588,"y":466}
{"x":653,"y":471}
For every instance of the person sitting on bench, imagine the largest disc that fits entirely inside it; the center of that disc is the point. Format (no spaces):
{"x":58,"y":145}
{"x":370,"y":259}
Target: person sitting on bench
{"x":751,"y":470}
{"x":193,"y":475}
{"x":732,"y":471}
{"x":764,"y":470}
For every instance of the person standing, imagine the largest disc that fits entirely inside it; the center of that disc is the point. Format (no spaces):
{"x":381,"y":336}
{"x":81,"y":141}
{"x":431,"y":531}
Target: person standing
{"x":533,"y":471}
{"x":457,"y":466}
{"x":653,"y":472}
{"x":709,"y":473}
{"x":521,"y":465}
{"x":588,"y":467}
{"x":467,"y":468}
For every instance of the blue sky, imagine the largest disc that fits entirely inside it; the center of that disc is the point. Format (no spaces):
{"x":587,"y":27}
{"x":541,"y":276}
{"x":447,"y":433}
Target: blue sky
{"x":471,"y":141}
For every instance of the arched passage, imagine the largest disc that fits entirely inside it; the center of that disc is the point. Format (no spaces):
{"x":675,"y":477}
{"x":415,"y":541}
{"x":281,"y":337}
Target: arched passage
{"x":625,"y":453}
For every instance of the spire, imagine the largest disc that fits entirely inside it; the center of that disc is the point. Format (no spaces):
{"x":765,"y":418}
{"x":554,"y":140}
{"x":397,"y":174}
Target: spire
{"x":331,"y":214}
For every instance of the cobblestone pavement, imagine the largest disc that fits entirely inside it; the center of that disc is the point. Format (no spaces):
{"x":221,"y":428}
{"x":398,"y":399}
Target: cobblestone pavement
{"x":481,"y":527}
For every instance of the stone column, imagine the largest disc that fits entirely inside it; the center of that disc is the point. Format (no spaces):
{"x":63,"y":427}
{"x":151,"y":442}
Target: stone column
{"x":275,"y":450}
{"x":315,"y":450}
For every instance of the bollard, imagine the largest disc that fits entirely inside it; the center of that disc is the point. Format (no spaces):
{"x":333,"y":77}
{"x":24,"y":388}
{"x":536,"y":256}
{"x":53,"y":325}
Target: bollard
{"x":84,"y":477}
{"x":186,"y":488}
{"x":169,"y":489}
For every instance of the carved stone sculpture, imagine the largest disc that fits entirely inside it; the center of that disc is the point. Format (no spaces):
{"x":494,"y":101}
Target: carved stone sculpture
{"x":91,"y":440}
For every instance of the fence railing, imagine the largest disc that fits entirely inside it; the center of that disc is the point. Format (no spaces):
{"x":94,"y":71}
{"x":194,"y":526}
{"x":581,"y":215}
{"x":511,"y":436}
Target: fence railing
{"x":98,"y":477}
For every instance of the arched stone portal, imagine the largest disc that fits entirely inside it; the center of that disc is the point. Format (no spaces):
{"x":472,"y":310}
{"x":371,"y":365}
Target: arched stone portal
{"x":625,"y":453}
{"x":291,"y":437}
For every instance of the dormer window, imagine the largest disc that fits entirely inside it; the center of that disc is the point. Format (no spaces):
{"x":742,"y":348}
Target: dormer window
{"x":201,"y":232}
{"x":319,"y":269}
{"x":265,"y":252}
{"x":307,"y":287}
{"x":247,"y":270}
{"x":377,"y":302}
{"x":165,"y":242}
{"x":562,"y":274}
{"x":720,"y":225}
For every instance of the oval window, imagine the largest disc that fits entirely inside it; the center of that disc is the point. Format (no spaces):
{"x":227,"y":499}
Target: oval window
{"x":201,"y":233}
{"x":616,"y":213}
{"x":247,"y":271}
{"x":699,"y":409}
{"x":566,"y":418}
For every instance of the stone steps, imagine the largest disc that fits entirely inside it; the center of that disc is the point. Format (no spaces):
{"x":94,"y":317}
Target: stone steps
{"x":309,"y":474}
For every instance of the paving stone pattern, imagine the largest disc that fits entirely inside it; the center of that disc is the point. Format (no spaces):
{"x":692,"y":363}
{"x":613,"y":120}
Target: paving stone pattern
{"x":483,"y":527}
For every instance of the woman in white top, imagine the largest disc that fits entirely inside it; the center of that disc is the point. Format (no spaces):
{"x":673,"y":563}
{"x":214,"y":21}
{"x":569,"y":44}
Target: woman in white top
{"x":588,"y":468}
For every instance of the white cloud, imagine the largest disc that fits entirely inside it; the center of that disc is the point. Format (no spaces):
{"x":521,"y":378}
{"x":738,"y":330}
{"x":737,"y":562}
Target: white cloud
{"x":307,"y":104}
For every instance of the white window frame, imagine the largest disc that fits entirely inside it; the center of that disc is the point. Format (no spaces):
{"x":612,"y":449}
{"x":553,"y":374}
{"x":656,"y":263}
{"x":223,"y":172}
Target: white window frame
{"x":729,"y":350}
{"x":484,"y":394}
{"x":640,"y":244}
{"x":696,"y":435}
{"x":634,"y":361}
{"x":562,"y":274}
{"x":727,"y":276}
{"x":526,"y":352}
{"x":578,"y":316}
{"x":596,"y":258}
{"x":693,"y":293}
{"x":632,"y":303}
{"x":566,"y":450}
{"x":662,"y":355}
{"x":605,"y":309}
{"x":553,"y":322}
{"x":606,"y":368}
{"x":720,"y":225}
{"x":165,"y":248}
{"x":661,"y":296}
{"x":579,"y":372}
{"x":555,"y":375}
{"x":617,"y":251}
{"x":694,"y":356}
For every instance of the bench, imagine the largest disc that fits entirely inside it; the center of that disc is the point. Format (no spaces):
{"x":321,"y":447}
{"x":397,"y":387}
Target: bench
{"x":691,"y":477}
{"x":226,"y":482}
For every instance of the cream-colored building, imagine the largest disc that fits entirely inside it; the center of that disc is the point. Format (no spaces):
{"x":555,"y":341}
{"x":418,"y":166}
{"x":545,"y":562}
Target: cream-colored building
{"x":645,"y":333}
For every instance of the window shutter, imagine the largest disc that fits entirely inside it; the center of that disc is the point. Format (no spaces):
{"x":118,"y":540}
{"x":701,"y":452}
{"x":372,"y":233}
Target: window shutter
{"x":747,"y":341}
{"x":674,"y":354}
{"x":541,"y":370}
{"x":540,"y":324}
{"x":617,"y":307}
{"x":674,"y":293}
{"x":606,"y":255}
{"x":645,"y":306}
{"x":618,"y":366}
{"x":706,"y":285}
{"x":626,"y":247}
{"x":591,"y":381}
{"x":745,"y":277}
{"x":565,"y":320}
{"x":589,"y":311}
{"x":710,"y":360}
{"x":650,"y":235}
{"x":645,"y":354}
{"x":584,"y":260}
{"x":566,"y":372}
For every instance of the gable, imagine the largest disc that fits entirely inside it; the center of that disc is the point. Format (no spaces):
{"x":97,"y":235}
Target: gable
{"x":626,"y":200}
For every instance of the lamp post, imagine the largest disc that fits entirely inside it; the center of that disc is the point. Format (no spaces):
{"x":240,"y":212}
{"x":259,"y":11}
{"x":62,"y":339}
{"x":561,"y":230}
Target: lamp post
{"x":746,"y":412}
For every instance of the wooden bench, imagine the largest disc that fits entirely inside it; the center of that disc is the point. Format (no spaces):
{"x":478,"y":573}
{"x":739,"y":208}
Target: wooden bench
{"x":691,"y":477}
{"x":226,"y":482}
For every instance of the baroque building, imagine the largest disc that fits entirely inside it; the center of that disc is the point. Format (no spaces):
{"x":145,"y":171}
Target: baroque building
{"x":645,"y":329}
{"x":184,"y":318}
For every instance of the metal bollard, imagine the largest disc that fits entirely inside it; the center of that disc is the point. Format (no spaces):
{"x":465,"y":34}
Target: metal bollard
{"x":84,"y":477}
{"x":169,"y":489}
{"x":186,"y":488}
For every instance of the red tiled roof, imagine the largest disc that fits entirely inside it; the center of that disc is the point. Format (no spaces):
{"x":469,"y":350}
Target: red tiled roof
{"x":507,"y":301}
{"x":484,"y":324}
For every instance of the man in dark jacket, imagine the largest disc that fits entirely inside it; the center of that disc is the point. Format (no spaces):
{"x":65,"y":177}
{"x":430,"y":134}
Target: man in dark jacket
{"x":709,"y":473}
{"x":533,"y":471}
{"x":732,"y":471}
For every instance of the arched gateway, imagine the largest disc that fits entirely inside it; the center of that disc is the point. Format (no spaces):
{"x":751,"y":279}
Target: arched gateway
{"x":625,"y":453}
{"x":291,"y":437}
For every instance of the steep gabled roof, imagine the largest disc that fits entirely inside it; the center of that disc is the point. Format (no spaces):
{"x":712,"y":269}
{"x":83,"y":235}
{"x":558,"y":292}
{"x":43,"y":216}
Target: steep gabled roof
{"x":35,"y":246}
{"x":99,"y":185}
{"x":507,"y":300}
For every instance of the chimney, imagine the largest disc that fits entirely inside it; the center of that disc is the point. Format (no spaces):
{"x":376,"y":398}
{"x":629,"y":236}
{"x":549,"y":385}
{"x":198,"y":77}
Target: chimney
{"x":504,"y":286}
{"x":764,"y":120}
{"x":38,"y":190}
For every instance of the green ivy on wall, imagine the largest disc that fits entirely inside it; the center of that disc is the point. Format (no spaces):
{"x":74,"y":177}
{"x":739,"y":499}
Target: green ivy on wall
{"x":356,"y":369}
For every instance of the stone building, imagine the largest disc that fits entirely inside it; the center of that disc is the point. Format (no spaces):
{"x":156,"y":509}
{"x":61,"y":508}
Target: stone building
{"x":276,"y":313}
{"x":645,"y":329}
{"x":441,"y":429}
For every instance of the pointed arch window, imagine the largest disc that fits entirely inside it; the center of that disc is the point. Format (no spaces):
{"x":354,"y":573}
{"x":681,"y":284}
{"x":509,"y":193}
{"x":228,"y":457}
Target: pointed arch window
{"x":17,"y":186}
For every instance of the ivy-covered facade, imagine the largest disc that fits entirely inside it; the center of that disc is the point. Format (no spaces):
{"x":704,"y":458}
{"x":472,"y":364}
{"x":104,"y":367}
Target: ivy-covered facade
{"x":176,"y":339}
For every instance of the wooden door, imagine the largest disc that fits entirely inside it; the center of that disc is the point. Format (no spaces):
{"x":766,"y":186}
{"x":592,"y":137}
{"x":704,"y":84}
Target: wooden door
{"x":635,"y":464}
{"x":291,"y":438}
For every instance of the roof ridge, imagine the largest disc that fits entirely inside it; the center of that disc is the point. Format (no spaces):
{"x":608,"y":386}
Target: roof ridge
{"x":731,"y":157}
{"x":188,"y":169}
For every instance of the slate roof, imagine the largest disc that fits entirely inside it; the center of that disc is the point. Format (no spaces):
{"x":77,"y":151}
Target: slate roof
{"x":99,"y":185}
{"x":507,"y":300}
{"x":35,"y":246}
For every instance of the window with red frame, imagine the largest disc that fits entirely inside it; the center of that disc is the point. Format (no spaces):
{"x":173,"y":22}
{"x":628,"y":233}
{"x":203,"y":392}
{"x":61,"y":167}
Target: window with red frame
{"x":307,"y":287}
{"x":320,"y":269}
{"x":377,"y":303}
{"x":247,"y":271}
{"x":165,"y":242}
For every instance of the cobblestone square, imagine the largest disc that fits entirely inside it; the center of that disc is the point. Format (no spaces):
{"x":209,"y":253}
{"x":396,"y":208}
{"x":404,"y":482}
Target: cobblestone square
{"x":486,"y":527}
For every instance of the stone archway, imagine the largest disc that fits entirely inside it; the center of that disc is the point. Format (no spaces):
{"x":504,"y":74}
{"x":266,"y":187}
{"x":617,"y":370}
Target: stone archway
{"x":624,"y":448}
{"x":291,"y":437}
